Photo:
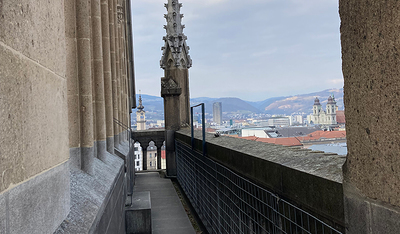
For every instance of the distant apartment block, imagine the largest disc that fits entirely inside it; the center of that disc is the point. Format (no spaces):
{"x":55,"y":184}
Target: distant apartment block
{"x":217,"y":112}
{"x":279,"y":121}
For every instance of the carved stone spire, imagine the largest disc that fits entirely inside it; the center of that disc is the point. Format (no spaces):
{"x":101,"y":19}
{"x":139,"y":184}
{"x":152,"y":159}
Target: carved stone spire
{"x":140,"y":107}
{"x":175,"y":40}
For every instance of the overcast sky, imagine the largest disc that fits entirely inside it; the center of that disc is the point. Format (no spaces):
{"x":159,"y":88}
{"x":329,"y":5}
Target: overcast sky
{"x":250,"y":49}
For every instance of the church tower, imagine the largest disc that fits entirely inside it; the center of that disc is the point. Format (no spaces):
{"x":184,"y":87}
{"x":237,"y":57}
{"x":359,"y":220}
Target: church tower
{"x":331,"y":110}
{"x":140,"y":116}
{"x":317,"y":108}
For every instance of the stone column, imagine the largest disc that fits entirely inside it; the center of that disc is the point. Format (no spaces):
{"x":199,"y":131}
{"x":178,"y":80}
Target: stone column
{"x":171,"y":93}
{"x":85,"y":85}
{"x":99,"y":79}
{"x":144,"y":161}
{"x":159,"y":155}
{"x":371,"y":69}
{"x":112,"y":8}
{"x":117,"y":68}
{"x":107,"y":75}
{"x":93,"y":79}
{"x":72,"y":84}
{"x":181,"y":76}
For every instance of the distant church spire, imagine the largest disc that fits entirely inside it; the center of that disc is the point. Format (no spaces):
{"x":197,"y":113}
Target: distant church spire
{"x":140,"y":107}
{"x":175,"y":40}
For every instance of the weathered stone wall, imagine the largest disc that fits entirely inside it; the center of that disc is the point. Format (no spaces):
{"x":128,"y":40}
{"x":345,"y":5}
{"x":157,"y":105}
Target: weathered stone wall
{"x":57,"y":95}
{"x":32,"y":90}
{"x":34,"y":155}
{"x":371,"y":69}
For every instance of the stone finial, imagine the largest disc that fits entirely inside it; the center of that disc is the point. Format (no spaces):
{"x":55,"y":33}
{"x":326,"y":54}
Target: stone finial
{"x":175,"y":40}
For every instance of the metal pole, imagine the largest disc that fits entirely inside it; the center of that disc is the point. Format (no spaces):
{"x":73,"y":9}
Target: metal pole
{"x":203,"y":120}
{"x":191,"y":123}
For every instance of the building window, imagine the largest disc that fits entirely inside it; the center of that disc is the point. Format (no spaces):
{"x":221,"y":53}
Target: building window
{"x":155,"y":155}
{"x":137,"y":163}
{"x":136,"y":148}
{"x":150,"y":163}
{"x":150,"y":155}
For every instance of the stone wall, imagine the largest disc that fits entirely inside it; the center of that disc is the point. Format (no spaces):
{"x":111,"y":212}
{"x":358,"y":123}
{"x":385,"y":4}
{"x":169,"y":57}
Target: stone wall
{"x":66,"y":75}
{"x":370,"y":43}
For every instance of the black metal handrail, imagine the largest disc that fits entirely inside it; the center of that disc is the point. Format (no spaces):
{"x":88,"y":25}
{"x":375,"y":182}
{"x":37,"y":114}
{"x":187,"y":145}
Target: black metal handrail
{"x":203,"y":120}
{"x":227,"y":202}
{"x":130,"y":159}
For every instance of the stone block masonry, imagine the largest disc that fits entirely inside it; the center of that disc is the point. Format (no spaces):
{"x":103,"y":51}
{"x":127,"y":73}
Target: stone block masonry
{"x":370,"y":57}
{"x":58,"y":103}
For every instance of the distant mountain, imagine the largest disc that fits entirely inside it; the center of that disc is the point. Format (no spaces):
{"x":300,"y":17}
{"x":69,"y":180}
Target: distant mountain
{"x":301,"y":103}
{"x":275,"y":105}
{"x":151,"y":103}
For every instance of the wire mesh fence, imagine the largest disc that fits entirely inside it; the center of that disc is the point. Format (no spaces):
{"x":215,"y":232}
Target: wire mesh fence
{"x":229,"y":203}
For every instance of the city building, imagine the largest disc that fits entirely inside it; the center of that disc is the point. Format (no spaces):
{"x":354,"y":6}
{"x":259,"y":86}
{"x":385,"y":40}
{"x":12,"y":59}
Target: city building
{"x":296,"y":120}
{"x":138,"y":152}
{"x":151,"y":156}
{"x":279,"y":121}
{"x":321,"y":117}
{"x":66,"y":91}
{"x":140,"y":116}
{"x":217,"y":112}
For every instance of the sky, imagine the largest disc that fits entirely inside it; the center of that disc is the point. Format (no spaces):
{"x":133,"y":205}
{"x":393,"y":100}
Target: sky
{"x":250,"y":49}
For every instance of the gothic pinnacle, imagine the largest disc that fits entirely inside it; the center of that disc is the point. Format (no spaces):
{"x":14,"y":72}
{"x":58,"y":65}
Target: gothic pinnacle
{"x":175,"y":40}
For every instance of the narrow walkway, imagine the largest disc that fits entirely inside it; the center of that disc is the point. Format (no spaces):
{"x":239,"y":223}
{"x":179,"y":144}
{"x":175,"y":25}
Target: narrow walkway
{"x":167,"y":213}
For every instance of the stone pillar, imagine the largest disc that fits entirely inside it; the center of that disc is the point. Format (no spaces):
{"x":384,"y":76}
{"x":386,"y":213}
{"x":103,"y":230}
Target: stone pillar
{"x":371,"y":69}
{"x":159,"y":156}
{"x":171,"y":93}
{"x":85,"y":85}
{"x":111,"y":5}
{"x":99,"y":79}
{"x":117,"y":68}
{"x":72,"y":85}
{"x":144,"y":160}
{"x":181,"y":77}
{"x":93,"y":80}
{"x":107,"y":75}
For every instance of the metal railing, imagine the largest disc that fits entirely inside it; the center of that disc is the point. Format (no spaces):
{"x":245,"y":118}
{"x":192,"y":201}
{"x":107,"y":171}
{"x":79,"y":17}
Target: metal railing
{"x":203,"y":125}
{"x":229,"y":203}
{"x":130,"y":161}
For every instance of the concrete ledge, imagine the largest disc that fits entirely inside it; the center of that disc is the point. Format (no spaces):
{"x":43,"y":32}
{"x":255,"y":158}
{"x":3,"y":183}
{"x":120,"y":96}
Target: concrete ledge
{"x":312,"y":181}
{"x":138,"y":215}
{"x":38,"y":205}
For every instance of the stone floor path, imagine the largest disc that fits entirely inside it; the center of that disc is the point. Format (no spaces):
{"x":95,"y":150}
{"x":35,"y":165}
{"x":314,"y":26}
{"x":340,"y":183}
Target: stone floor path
{"x":167,"y":213}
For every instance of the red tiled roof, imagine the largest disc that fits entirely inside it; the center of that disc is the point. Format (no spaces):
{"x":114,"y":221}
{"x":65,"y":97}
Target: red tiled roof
{"x":287,"y":141}
{"x":323,"y":134}
{"x":340,"y":117}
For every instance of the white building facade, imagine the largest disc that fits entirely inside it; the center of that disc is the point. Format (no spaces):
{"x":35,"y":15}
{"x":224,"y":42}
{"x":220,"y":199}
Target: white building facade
{"x":319,"y":116}
{"x":138,"y":157}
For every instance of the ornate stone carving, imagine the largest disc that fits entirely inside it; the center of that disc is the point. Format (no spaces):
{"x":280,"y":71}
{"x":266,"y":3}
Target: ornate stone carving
{"x":169,"y":84}
{"x":120,"y":14}
{"x":175,"y":40}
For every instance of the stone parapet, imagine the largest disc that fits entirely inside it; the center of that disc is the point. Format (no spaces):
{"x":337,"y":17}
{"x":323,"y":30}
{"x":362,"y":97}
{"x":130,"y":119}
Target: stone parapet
{"x":312,"y":181}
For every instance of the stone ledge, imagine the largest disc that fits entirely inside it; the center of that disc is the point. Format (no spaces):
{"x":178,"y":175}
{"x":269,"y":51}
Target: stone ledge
{"x":90,"y":195}
{"x":38,"y":205}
